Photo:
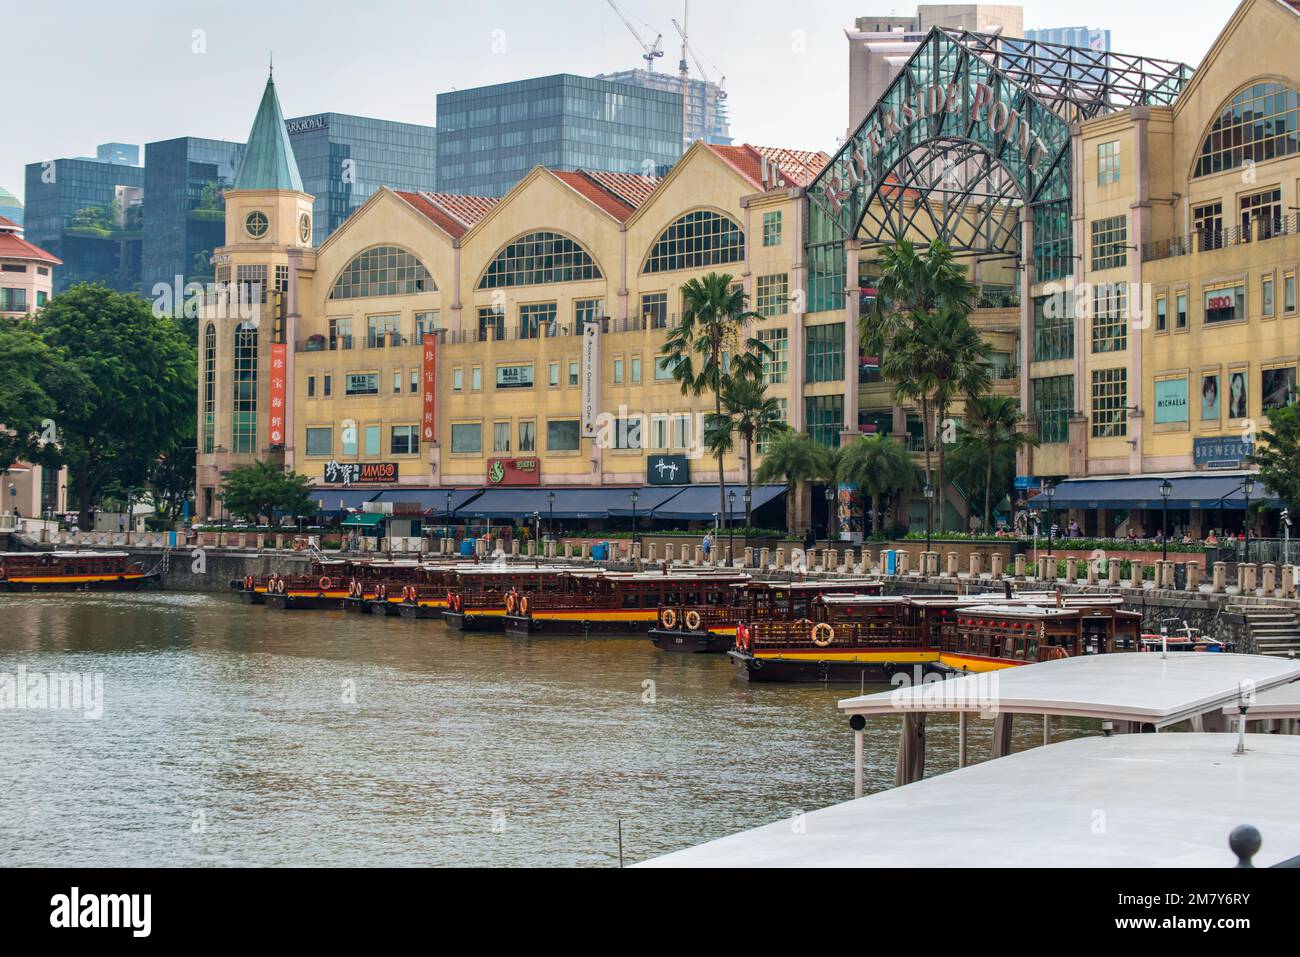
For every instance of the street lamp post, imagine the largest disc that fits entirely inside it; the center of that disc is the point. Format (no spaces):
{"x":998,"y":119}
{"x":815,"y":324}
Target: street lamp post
{"x":748,"y":502}
{"x":537,"y":538}
{"x":1247,"y":487}
{"x":731,"y":526}
{"x":550,"y":515}
{"x":1166,"y":489}
{"x":929,"y":513}
{"x":633,"y":498}
{"x":1050,"y":491}
{"x":448,"y":532}
{"x":830,"y":499}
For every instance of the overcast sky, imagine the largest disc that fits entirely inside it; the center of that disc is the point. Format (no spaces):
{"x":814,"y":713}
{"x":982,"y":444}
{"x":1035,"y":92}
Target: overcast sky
{"x":82,"y":72}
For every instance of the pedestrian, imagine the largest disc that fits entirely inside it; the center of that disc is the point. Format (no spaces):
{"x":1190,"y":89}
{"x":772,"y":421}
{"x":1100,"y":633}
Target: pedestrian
{"x":706,"y":546}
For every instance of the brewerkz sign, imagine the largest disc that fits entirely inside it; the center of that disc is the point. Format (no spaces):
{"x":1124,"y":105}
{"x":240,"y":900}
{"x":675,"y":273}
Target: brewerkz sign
{"x":348,"y":473}
{"x":668,"y":470}
{"x":1224,"y":452}
{"x":514,"y":471}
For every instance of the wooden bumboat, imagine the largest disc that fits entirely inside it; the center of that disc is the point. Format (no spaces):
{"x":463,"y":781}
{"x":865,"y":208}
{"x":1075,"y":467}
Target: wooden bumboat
{"x":710,"y":627}
{"x":72,"y":571}
{"x":599,"y":602}
{"x":325,"y":586}
{"x":862,"y":639}
{"x":477,"y":601}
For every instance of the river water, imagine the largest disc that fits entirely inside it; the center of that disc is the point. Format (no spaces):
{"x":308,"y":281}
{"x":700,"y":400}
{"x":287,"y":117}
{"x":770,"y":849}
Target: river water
{"x":234,"y":735}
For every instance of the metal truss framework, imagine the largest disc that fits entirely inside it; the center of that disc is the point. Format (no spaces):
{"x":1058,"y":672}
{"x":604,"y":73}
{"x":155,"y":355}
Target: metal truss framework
{"x":973,"y":129}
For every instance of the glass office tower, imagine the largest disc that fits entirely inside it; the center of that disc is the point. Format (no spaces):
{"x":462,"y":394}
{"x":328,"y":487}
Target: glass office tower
{"x":87,"y":212}
{"x":491,"y":136}
{"x":10,"y":207}
{"x":344,"y":159}
{"x":185,"y":212}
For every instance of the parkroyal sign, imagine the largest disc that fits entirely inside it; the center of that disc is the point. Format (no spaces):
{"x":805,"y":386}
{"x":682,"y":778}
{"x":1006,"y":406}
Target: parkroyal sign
{"x":974,"y":102}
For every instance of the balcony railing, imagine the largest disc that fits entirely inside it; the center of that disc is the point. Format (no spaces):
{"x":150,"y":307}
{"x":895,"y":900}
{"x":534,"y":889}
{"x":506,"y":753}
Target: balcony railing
{"x":1208,"y":240}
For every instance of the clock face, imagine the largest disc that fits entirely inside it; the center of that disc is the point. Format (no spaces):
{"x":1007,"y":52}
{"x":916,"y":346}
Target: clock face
{"x":256,"y":223}
{"x":304,"y":227}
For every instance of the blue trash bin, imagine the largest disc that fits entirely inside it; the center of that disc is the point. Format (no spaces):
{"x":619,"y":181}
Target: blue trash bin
{"x":467,"y":548}
{"x":891,"y":561}
{"x":600,"y":551}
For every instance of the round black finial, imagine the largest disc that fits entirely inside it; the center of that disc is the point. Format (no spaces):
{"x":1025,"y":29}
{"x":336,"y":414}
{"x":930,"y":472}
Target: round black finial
{"x":857,"y":722}
{"x":1245,"y":842}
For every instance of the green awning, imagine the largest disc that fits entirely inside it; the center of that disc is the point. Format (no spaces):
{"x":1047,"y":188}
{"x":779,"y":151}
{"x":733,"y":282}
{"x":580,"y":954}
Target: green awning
{"x":364,"y":519}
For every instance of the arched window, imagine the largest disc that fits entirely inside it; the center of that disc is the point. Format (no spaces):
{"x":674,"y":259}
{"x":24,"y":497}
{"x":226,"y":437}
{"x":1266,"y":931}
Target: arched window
{"x":382,"y":271}
{"x":243,"y":431}
{"x":1262,"y":122}
{"x":209,"y":388}
{"x":698,"y":239}
{"x":539,"y":258}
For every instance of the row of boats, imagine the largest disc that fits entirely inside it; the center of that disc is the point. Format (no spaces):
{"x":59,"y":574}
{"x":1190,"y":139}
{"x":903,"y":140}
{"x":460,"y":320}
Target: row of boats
{"x":834,"y":630}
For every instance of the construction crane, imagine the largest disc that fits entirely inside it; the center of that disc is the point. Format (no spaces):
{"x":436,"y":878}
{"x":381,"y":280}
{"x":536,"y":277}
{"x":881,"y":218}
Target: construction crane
{"x":695,"y":58}
{"x":652,"y":50}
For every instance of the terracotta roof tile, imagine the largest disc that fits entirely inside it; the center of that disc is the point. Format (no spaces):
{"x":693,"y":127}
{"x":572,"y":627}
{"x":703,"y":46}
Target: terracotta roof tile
{"x":13,"y":246}
{"x":629,"y":187}
{"x":452,"y":213}
{"x":797,"y":167}
{"x":597,"y":194}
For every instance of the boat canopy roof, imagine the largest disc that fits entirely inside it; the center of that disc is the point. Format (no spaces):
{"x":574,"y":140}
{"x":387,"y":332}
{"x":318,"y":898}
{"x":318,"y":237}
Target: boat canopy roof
{"x":1280,"y":701}
{"x":1025,"y":809}
{"x":1151,"y":688}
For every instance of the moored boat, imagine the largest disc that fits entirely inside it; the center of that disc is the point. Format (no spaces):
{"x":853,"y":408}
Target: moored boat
{"x":600,"y":602}
{"x":695,"y":626}
{"x":477,"y":601}
{"x":72,"y":571}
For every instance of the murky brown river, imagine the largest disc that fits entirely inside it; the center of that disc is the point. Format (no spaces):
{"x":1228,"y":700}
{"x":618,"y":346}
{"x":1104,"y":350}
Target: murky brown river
{"x":232,"y":735}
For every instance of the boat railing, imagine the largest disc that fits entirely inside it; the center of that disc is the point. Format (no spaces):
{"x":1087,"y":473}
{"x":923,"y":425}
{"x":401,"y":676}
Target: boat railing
{"x":804,"y":635}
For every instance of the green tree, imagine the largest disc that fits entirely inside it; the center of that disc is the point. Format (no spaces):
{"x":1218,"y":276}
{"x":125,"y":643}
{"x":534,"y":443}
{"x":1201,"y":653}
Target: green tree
{"x":710,"y":345}
{"x":130,"y":394}
{"x":794,"y":458}
{"x":27,"y":366}
{"x":262,"y":489}
{"x":879,"y":466}
{"x":993,"y":424}
{"x":750,"y":413}
{"x":1277,"y":453}
{"x":919,"y":323}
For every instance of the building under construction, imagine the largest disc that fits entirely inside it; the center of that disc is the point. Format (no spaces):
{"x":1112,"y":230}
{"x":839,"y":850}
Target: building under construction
{"x":706,"y":106}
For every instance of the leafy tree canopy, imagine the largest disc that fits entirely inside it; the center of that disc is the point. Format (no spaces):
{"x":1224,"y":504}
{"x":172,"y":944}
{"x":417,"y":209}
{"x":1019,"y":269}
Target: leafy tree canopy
{"x":262,"y":489}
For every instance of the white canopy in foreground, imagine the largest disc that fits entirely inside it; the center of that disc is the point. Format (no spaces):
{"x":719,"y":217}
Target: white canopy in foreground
{"x":1143,"y":687}
{"x":1148,"y":800}
{"x":1280,"y":701}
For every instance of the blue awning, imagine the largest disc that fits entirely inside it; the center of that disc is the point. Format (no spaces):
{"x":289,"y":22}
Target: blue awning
{"x":1207,"y":491}
{"x":523,"y":502}
{"x":431,"y":500}
{"x":700,"y":502}
{"x":649,"y":498}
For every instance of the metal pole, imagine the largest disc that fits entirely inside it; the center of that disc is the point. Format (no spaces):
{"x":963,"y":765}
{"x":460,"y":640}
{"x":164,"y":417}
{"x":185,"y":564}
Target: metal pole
{"x":858,"y":736}
{"x":1047,"y":729}
{"x":961,"y":739}
{"x":1164,"y":531}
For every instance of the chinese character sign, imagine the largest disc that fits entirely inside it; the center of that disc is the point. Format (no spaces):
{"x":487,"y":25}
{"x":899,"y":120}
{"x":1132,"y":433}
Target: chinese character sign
{"x":429,"y":382}
{"x":279,"y":372}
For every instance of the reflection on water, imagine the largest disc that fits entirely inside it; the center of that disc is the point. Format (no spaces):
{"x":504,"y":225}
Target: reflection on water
{"x":235,"y":735}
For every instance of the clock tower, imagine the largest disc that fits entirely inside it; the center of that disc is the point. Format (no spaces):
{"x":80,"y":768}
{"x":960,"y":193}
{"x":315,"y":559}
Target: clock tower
{"x":248,"y":324}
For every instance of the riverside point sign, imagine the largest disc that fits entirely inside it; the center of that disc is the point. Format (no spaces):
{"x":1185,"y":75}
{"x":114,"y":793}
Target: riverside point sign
{"x":977,"y":102}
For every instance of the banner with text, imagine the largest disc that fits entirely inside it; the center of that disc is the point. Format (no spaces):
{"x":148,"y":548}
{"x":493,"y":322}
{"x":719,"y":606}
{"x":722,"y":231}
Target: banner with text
{"x":279,"y":375}
{"x":429,"y":381}
{"x":590,"y":378}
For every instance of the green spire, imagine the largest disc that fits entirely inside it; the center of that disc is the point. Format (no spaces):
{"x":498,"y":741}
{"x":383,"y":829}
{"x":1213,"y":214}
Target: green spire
{"x":268,"y":159}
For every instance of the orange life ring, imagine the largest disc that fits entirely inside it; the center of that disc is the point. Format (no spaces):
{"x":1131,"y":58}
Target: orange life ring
{"x":248,"y":581}
{"x":523,"y":605}
{"x":510,"y":603}
{"x":692,"y":618}
{"x":668,"y":618}
{"x":326,"y":583}
{"x":822,"y":634}
{"x":279,"y":586}
{"x":742,"y":637}
{"x":457,"y":602}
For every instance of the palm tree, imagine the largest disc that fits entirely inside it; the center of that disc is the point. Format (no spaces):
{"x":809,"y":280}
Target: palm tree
{"x":878,"y":466}
{"x":919,"y":324}
{"x":711,"y":344}
{"x":793,"y":458}
{"x":994,"y":421}
{"x":747,"y":411}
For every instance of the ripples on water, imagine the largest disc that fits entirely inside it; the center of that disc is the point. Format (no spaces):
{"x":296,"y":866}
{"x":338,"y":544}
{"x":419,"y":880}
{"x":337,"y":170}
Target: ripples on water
{"x":228,"y":738}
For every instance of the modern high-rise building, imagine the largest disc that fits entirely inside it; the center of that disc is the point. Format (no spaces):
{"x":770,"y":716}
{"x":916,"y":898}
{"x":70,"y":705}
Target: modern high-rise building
{"x":11,"y":207}
{"x":88,"y":213}
{"x":491,"y":136}
{"x":1090,"y":38}
{"x":184,"y":182}
{"x":344,"y":159}
{"x":880,"y":45}
{"x":706,"y":102}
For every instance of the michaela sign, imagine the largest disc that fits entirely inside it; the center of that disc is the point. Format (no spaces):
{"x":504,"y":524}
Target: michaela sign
{"x":347,"y":473}
{"x":668,"y":470}
{"x":514,"y":471}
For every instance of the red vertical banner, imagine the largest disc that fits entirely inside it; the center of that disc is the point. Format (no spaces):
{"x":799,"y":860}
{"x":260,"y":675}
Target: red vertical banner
{"x":279,"y":359}
{"x":429,"y":384}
